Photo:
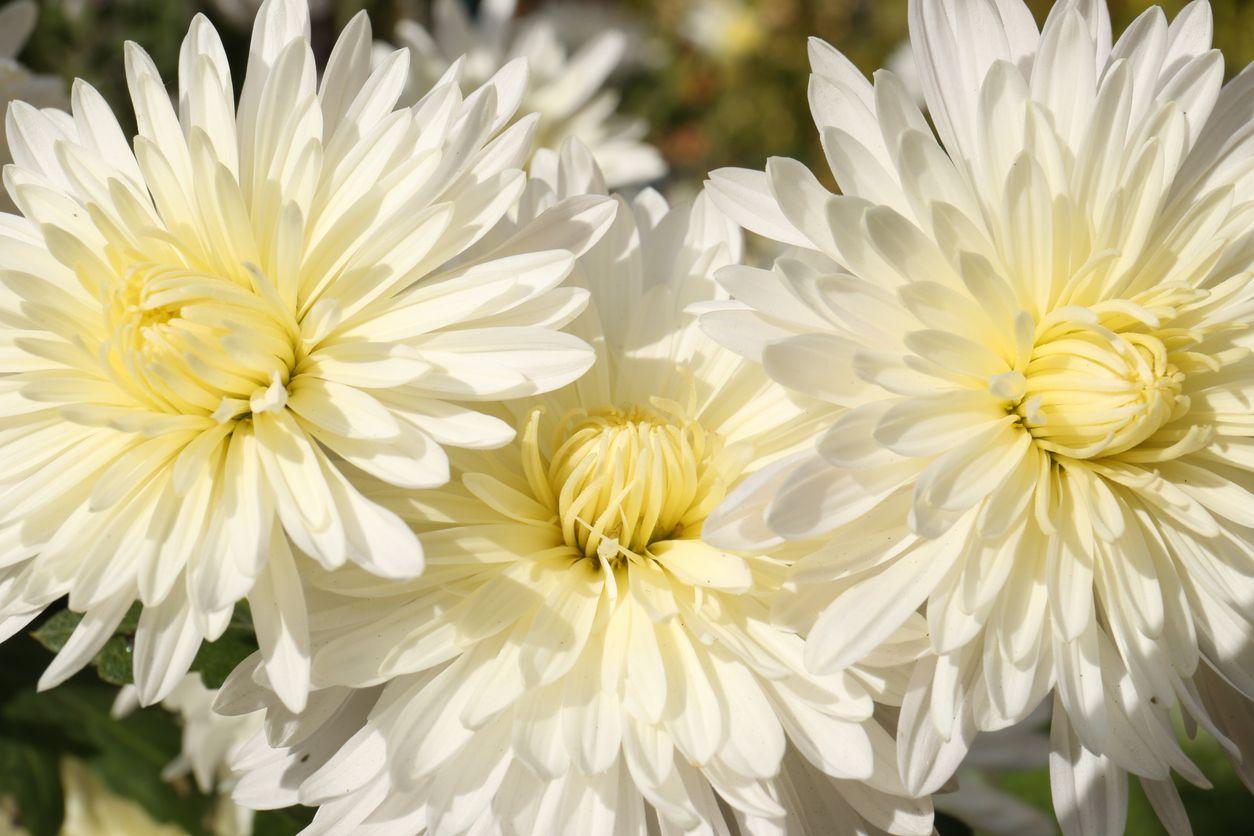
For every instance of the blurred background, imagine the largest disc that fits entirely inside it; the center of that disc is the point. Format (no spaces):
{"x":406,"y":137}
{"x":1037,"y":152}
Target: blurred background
{"x":719,"y":82}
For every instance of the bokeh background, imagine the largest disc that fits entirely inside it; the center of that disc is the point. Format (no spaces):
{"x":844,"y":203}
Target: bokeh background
{"x":721,"y":82}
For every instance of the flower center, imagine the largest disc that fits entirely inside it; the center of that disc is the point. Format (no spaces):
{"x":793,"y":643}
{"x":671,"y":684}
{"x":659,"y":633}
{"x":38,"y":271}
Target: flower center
{"x":186,"y":342}
{"x":619,"y":480}
{"x":1097,"y":384}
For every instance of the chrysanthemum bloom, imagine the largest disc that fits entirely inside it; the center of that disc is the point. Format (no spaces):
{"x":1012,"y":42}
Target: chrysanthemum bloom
{"x":1040,"y":325}
{"x":200,"y":337}
{"x":17,"y":21}
{"x":576,"y":659}
{"x":568,"y":91}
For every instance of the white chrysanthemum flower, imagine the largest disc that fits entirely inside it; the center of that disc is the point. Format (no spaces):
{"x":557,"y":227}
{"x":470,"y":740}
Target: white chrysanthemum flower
{"x":202,"y":337}
{"x":17,"y":83}
{"x":1040,"y":324}
{"x":902,"y":64}
{"x":210,"y":742}
{"x":576,"y":659}
{"x":568,"y":91}
{"x":578,"y":22}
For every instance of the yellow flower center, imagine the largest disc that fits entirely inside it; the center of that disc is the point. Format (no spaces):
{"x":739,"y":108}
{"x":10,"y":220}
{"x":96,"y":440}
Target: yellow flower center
{"x":186,"y":342}
{"x":1101,"y":381}
{"x":619,"y":480}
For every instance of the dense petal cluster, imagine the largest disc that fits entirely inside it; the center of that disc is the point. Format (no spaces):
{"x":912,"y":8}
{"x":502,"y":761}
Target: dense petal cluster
{"x":202,"y":335}
{"x":550,"y":515}
{"x":1039,"y":321}
{"x":568,"y":91}
{"x":575,"y":658}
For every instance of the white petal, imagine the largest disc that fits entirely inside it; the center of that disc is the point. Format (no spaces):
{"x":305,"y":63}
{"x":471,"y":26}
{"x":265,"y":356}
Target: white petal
{"x":1090,"y":793}
{"x":881,"y":604}
{"x":278,"y":608}
{"x":745,"y":197}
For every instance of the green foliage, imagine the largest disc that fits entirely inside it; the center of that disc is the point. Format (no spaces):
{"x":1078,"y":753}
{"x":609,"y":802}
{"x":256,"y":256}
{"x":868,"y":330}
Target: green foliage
{"x":30,"y":788}
{"x":216,"y":660}
{"x":286,"y":822}
{"x":113,"y":663}
{"x":38,"y":729}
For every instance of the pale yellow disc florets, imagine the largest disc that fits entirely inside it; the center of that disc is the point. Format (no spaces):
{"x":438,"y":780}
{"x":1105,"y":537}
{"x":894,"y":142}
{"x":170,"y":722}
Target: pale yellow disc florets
{"x":619,"y":480}
{"x":1100,"y":381}
{"x":186,"y":342}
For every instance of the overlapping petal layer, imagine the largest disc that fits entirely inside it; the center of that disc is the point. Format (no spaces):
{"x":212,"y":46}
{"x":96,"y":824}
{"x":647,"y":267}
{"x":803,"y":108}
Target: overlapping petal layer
{"x":576,"y":659}
{"x":567,"y":85}
{"x":1038,"y":321}
{"x":204,"y":335}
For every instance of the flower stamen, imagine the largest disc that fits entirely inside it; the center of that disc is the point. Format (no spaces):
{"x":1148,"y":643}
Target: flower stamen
{"x":622,"y":479}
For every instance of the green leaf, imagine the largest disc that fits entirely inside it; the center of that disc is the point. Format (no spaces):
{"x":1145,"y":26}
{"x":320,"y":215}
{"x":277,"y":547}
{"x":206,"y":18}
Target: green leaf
{"x":288,"y":821}
{"x":38,"y":730}
{"x":215,"y":660}
{"x":115,"y":660}
{"x":30,"y":787}
{"x":55,"y":632}
{"x":114,"y":663}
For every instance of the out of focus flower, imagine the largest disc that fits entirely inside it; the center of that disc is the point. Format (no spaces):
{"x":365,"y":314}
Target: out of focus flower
{"x":202,"y":335}
{"x":901,"y":64}
{"x":92,"y":809}
{"x":17,"y":83}
{"x":1041,"y":327}
{"x":567,"y":89}
{"x":209,"y":743}
{"x":724,"y":29}
{"x":579,"y":22}
{"x":576,"y":658}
